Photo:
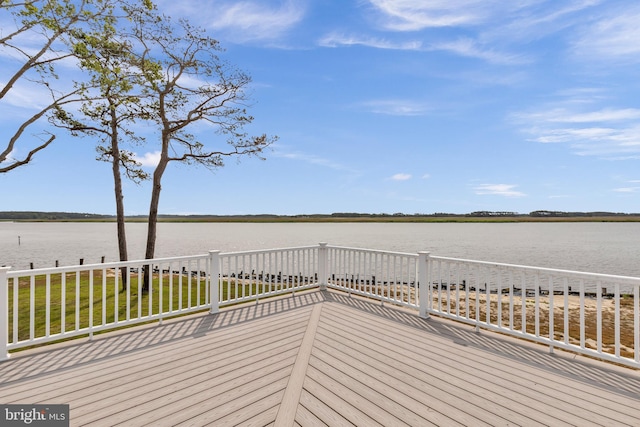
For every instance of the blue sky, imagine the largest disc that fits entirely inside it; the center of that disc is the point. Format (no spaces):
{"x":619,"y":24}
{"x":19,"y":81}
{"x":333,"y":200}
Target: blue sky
{"x":386,"y":106}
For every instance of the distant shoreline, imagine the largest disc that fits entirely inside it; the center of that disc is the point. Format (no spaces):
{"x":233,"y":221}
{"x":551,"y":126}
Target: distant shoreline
{"x":482,"y":217}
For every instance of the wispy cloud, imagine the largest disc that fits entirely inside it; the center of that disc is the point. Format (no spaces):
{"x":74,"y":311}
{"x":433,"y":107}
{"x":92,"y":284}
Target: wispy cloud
{"x":534,"y":20}
{"x":607,"y":132}
{"x":413,"y":15}
{"x":314,"y":160}
{"x":242,"y":21}
{"x":563,"y":115}
{"x":491,"y":27}
{"x":336,"y":39}
{"x":401,"y":177}
{"x":614,"y":36}
{"x":627,"y":190}
{"x":633,"y":188}
{"x":506,"y":190}
{"x":395,"y":107}
{"x":473,"y":49}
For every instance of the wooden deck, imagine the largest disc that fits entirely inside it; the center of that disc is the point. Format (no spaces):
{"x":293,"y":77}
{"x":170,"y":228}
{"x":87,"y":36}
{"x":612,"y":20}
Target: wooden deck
{"x":319,"y":358}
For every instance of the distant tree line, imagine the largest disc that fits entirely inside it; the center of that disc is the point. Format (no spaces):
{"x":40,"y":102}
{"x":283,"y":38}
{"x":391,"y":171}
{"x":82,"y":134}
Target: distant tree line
{"x":50,"y":216}
{"x":61,"y":216}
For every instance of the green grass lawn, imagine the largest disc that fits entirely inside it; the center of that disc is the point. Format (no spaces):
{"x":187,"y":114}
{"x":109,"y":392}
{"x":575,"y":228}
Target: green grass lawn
{"x":108,"y":301}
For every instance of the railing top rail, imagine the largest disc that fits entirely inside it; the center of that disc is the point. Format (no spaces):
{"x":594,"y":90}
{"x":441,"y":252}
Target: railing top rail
{"x":260,"y":251}
{"x":100,"y":266}
{"x":571,"y":273}
{"x":378,"y":251}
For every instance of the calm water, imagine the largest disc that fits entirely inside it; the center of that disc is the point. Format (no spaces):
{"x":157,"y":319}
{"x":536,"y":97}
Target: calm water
{"x":612,"y":248}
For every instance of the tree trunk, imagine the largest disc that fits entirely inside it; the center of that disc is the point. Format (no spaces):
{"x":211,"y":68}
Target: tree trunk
{"x":153,"y":218}
{"x":117,"y":181}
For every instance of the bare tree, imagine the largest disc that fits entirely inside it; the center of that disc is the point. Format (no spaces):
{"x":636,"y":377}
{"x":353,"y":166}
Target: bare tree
{"x":196,"y":87}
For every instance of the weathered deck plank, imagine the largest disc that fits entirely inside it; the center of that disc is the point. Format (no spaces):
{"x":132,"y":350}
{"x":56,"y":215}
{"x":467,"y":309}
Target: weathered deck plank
{"x":319,"y":358}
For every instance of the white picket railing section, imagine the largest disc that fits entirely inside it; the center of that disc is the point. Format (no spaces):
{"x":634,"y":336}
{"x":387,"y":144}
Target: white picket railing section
{"x":385,"y":276}
{"x":64,"y":302}
{"x":593,"y":314}
{"x":600,"y":313}
{"x":249,"y":276}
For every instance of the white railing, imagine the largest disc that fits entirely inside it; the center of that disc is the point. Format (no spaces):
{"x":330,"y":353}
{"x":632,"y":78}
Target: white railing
{"x":385,"y":276}
{"x":253,"y":275}
{"x":50,"y":304}
{"x":593,"y":314}
{"x":600,"y":313}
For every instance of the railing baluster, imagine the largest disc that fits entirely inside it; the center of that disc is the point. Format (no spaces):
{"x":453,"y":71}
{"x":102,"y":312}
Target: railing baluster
{"x":582,"y":327}
{"x":200,"y":269}
{"x":487,"y":291}
{"x":511,"y":304}
{"x":32,"y":306}
{"x":636,"y":323}
{"x":617,"y":319}
{"x":139,"y":291}
{"x":536,"y":291}
{"x":77,"y":306}
{"x":523,"y":302}
{"x":499,"y":297}
{"x":16,"y":281}
{"x":90,"y":304}
{"x":551,"y":308}
{"x":566,"y":311}
{"x":47,"y":297}
{"x":171,"y":288}
{"x":599,"y":316}
{"x":104,"y":294}
{"x":116,"y":300}
{"x":127,"y":277}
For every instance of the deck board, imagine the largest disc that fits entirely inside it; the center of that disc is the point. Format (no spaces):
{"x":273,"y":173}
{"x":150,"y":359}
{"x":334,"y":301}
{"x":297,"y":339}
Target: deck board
{"x":565,"y":400}
{"x":319,"y":358}
{"x":449,"y":379}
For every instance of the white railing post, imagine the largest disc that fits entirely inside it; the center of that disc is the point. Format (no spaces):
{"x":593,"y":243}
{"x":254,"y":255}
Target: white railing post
{"x":423,"y":283}
{"x":4,"y":313}
{"x":214,"y":281}
{"x":323,"y":260}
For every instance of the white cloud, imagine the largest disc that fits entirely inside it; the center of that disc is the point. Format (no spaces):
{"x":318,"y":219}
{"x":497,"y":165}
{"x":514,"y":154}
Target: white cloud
{"x":605,"y":132}
{"x":395,"y":107}
{"x":314,"y":160}
{"x":401,"y":177}
{"x":603,"y":115}
{"x":426,"y":176}
{"x":242,"y":21}
{"x":506,"y":190}
{"x":539,"y":19}
{"x":336,"y":39}
{"x":472,"y":49}
{"x":148,"y":159}
{"x":413,"y":15}
{"x":464,"y":47}
{"x":627,"y":190}
{"x":613,"y":36}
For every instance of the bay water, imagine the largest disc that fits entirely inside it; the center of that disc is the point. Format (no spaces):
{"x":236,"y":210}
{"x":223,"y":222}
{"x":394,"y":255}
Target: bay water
{"x":610,"y":248}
